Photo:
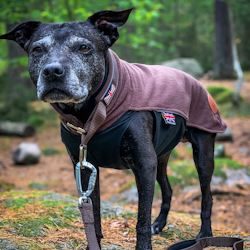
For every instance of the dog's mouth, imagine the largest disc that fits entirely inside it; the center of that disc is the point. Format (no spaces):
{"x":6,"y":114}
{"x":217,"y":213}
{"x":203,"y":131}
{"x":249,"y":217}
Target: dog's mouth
{"x":56,"y":95}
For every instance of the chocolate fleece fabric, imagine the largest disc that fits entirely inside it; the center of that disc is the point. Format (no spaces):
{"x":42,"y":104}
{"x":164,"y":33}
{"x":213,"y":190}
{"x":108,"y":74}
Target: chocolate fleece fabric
{"x":155,"y":88}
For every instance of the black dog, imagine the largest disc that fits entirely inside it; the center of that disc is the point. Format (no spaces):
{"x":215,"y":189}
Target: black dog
{"x":70,"y":64}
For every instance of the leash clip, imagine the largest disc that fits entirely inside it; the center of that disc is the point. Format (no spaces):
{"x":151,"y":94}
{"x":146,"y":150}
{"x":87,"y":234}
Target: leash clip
{"x":78,"y":129}
{"x":82,"y":164}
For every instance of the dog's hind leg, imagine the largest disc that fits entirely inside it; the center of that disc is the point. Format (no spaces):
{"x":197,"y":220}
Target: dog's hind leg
{"x":166,"y":191}
{"x":203,"y":153}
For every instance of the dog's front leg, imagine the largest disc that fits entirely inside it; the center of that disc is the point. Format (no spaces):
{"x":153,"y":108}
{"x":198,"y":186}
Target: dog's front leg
{"x":95,"y":197}
{"x":138,"y":152}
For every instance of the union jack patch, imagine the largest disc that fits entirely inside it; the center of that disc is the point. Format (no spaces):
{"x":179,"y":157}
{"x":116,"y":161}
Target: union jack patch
{"x":109,"y":94}
{"x":169,"y":118}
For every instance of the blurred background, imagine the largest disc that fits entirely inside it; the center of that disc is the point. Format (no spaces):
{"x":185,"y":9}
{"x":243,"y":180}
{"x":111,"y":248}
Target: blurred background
{"x":208,"y":39}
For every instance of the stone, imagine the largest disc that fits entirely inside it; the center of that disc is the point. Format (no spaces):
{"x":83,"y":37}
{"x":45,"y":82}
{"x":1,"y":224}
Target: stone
{"x":131,"y":196}
{"x":237,"y":177}
{"x":216,"y":180}
{"x":219,"y":151}
{"x":26,"y":153}
{"x":226,"y":136}
{"x":109,"y":209}
{"x":243,"y":151}
{"x":188,"y":65}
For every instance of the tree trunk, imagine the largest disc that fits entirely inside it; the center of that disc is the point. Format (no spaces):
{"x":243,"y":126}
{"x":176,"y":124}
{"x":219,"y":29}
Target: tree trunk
{"x":237,"y":66}
{"x":223,"y":59}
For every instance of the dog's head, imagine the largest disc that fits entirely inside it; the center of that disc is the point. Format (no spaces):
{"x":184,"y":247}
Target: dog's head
{"x":67,"y":60}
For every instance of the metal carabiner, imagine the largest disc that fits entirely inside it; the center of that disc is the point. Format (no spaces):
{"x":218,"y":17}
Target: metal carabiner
{"x":92,"y":179}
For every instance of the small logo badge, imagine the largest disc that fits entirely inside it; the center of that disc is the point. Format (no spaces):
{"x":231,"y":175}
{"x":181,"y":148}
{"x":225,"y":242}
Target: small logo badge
{"x":169,"y":118}
{"x":110,"y":94}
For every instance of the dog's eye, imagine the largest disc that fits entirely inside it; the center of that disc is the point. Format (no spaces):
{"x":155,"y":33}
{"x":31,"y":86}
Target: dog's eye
{"x":84,"y":48}
{"x":37,"y":50}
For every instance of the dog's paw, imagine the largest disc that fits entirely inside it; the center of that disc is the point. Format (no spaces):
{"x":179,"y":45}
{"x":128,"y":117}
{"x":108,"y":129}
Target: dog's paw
{"x":157,"y":227}
{"x":204,"y":234}
{"x":154,"y":229}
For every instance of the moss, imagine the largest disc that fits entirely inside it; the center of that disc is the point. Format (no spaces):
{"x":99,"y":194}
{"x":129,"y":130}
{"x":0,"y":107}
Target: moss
{"x":223,"y":97}
{"x":174,"y":180}
{"x":17,"y":203}
{"x":229,"y":110}
{"x":37,"y":185}
{"x":221,"y":163}
{"x":216,"y":90}
{"x":50,"y":151}
{"x":219,"y":172}
{"x":34,"y":227}
{"x":5,"y":186}
{"x":228,"y":163}
{"x":184,"y":172}
{"x":168,"y":234}
{"x":222,"y":94}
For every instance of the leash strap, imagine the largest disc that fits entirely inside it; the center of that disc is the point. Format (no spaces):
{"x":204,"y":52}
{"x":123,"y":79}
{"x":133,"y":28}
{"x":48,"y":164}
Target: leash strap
{"x":199,"y":244}
{"x":95,"y":120}
{"x":86,"y":210}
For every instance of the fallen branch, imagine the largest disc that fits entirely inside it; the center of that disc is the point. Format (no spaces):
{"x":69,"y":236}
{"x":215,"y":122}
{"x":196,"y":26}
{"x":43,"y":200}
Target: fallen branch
{"x":17,"y":129}
{"x":190,"y":197}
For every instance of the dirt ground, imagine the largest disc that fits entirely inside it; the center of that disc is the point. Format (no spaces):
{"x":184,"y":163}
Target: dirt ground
{"x":229,"y":211}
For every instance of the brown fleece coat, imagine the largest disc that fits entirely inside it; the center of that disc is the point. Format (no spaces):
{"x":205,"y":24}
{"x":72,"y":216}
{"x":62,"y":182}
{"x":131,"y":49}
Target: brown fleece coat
{"x":153,"y":87}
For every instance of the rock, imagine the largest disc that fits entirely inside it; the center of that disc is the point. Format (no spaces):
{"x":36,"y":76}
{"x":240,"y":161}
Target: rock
{"x":188,"y":65}
{"x":216,"y":180}
{"x":243,"y":151}
{"x":109,"y":209}
{"x":131,"y":195}
{"x":237,"y":177}
{"x":219,"y":151}
{"x":16,"y":129}
{"x":26,"y":153}
{"x":226,"y":136}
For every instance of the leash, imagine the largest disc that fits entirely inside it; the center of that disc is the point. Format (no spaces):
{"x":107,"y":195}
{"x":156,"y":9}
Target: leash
{"x":199,"y":244}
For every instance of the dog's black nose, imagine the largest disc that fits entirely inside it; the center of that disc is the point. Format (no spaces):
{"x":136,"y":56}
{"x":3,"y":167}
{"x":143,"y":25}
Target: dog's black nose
{"x":52,"y":70}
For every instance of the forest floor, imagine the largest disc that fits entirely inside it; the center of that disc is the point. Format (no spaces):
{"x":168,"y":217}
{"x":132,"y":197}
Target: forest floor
{"x":56,"y":172}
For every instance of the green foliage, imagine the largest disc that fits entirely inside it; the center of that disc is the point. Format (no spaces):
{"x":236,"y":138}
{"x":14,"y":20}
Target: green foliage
{"x":36,"y":120}
{"x":156,"y":31}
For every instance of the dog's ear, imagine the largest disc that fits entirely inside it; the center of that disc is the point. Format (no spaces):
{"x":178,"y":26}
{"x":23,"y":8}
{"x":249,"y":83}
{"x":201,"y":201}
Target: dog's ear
{"x":107,"y":22}
{"x":22,"y":33}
